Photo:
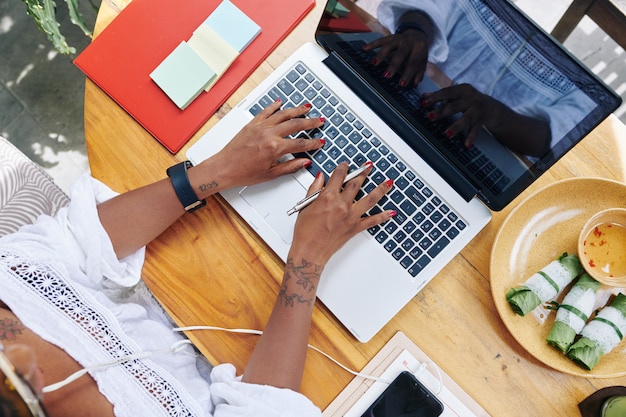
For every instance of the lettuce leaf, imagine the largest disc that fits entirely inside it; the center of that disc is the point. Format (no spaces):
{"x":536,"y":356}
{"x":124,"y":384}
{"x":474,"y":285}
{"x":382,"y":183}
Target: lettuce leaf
{"x":585,"y":352}
{"x":522,"y":300}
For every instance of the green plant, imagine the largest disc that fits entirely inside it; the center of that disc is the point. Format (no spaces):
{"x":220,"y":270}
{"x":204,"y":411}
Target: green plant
{"x":43,"y":13}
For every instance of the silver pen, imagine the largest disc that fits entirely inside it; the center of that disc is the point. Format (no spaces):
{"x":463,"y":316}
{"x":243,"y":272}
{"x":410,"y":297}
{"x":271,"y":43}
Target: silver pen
{"x":308,"y":200}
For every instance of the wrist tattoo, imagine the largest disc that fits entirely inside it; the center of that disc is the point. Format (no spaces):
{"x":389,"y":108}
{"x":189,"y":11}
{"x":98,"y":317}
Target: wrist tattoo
{"x":300,"y":283}
{"x":207,"y":186}
{"x":10,"y":328}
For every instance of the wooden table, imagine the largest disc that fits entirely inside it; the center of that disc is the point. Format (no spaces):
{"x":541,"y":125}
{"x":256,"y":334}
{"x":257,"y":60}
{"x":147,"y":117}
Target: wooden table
{"x":210,"y":268}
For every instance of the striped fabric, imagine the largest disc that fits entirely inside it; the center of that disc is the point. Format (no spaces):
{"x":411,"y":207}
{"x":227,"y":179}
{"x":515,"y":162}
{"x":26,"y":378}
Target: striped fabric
{"x":26,"y":191}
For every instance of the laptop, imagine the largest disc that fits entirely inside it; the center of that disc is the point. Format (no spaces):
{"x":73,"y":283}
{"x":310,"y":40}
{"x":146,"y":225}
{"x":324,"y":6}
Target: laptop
{"x":444,"y":193}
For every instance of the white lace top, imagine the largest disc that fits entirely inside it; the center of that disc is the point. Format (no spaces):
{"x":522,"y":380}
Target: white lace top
{"x":61,"y":277}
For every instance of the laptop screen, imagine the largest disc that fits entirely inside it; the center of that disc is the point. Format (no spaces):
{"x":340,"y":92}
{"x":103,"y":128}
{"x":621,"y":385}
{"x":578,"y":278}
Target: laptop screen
{"x":492,"y":74}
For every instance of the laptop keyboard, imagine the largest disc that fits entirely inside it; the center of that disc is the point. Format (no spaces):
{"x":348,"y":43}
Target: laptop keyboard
{"x":424,"y":224}
{"x":473,"y":158}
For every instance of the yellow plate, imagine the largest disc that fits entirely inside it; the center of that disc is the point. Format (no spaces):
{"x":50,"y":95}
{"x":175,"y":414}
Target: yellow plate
{"x":540,"y":229}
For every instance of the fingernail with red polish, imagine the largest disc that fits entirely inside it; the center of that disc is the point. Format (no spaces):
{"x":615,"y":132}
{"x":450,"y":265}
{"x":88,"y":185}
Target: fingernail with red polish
{"x":323,"y":141}
{"x":369,"y":164}
{"x":425,"y":103}
{"x":387,"y":74}
{"x":403,"y":83}
{"x":307,"y":105}
{"x":322,"y":120}
{"x":389,"y":183}
{"x":319,"y":174}
{"x":278,"y":100}
{"x":374,"y":61}
{"x":431,"y":115}
{"x":392,"y":213}
{"x":449,"y":133}
{"x":307,"y":164}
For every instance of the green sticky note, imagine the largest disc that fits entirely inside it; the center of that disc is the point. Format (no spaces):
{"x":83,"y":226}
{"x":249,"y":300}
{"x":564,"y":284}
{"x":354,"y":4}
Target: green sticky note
{"x":233,"y":25}
{"x":216,"y":52}
{"x":182,"y":75}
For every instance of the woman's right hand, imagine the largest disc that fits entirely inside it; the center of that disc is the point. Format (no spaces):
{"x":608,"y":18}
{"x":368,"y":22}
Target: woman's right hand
{"x":334,"y":217}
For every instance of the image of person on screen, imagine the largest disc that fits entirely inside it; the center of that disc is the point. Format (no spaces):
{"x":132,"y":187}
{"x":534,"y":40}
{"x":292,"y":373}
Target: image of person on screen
{"x":498,"y":79}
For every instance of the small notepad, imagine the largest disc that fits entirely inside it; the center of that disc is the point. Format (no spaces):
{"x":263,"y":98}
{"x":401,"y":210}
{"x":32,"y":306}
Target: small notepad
{"x":233,"y":25}
{"x":197,"y":64}
{"x":214,"y":50}
{"x":183,"y":75}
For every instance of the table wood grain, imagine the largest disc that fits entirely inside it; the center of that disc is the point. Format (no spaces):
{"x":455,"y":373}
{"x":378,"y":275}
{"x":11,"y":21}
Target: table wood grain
{"x":209,"y":268}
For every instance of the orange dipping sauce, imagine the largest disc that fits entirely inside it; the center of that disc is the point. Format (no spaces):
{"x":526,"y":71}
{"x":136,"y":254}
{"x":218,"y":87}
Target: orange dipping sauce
{"x":604,"y":250}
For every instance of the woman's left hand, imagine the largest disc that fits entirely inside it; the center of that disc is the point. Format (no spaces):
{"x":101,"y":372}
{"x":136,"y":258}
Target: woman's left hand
{"x":477,"y":110}
{"x":252,"y":156}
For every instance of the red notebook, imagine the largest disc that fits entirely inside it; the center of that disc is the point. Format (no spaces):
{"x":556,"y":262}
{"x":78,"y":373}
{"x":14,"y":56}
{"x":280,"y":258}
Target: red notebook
{"x":122,"y":57}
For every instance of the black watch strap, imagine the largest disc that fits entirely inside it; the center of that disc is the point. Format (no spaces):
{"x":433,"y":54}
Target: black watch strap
{"x":184,"y":191}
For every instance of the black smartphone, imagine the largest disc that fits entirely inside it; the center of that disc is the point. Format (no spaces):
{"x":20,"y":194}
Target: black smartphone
{"x":405,"y":397}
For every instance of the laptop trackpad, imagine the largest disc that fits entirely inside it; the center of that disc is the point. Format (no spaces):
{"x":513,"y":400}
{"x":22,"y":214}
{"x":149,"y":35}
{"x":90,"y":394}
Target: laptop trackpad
{"x":271,"y":200}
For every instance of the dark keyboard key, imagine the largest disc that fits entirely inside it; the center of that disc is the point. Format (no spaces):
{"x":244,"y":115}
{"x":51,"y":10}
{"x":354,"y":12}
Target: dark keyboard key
{"x":409,"y":227}
{"x":436,"y":216}
{"x":399,"y":236}
{"x":415,"y":252}
{"x":301,"y":84}
{"x":408,"y":208}
{"x":256,"y":109}
{"x":390,"y":227}
{"x":418,"y":266}
{"x":381,"y":237}
{"x":286,"y":87}
{"x":373,"y":155}
{"x":392,"y":173}
{"x":415,"y":196}
{"x":425,"y":243}
{"x":452,"y":233}
{"x":390,"y":245}
{"x":337,"y":120}
{"x":383,"y":165}
{"x":378,"y":178}
{"x":438,"y":247}
{"x":397,"y":197}
{"x":373,"y":230}
{"x":355,"y":137}
{"x":292,"y":76}
{"x":408,"y":244}
{"x":401,"y":183}
{"x":406,"y":262}
{"x":397,"y":254}
{"x":434,"y":234}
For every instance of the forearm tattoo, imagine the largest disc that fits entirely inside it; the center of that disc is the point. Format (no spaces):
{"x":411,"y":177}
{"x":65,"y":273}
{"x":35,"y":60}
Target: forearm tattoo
{"x":300,"y":283}
{"x":10,"y":328}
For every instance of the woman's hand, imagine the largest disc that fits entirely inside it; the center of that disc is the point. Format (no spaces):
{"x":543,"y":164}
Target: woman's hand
{"x":407,"y":54}
{"x":252,"y":156}
{"x":523,"y":134}
{"x":406,"y":51}
{"x":334,"y":217}
{"x":477,"y":110}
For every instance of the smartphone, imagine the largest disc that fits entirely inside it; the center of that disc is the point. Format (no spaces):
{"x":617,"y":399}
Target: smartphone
{"x":405,"y":397}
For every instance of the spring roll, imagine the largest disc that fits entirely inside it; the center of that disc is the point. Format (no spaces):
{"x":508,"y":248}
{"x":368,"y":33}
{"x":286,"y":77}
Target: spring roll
{"x":572,"y":314}
{"x":601,"y":334}
{"x":544,"y":285}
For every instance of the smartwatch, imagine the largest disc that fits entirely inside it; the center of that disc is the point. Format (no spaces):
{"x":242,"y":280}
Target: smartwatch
{"x":182,"y":187}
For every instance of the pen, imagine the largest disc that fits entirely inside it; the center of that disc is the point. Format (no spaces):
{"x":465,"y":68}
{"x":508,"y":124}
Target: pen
{"x":308,"y":200}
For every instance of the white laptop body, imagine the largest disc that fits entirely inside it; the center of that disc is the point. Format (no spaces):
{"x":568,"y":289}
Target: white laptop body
{"x":363,"y":286}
